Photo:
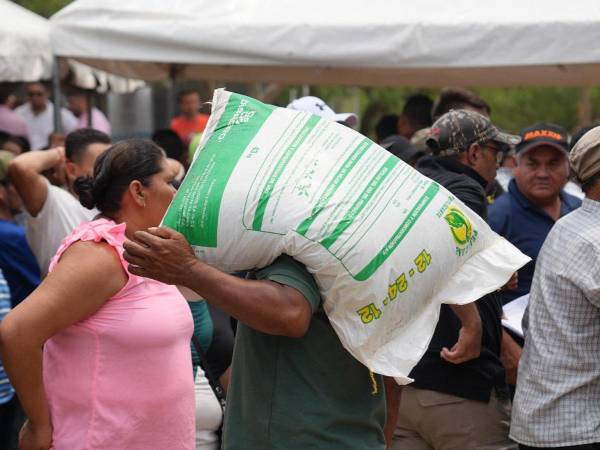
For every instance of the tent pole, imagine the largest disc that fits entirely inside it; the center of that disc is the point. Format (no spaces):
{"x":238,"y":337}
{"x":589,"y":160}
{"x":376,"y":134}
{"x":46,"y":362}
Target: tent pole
{"x":171,"y":93}
{"x":293,"y":94}
{"x":89,"y":109}
{"x":584,"y":108}
{"x":56,"y":94}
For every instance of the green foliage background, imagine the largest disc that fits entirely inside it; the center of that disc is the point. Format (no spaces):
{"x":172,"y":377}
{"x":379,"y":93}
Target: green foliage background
{"x":43,"y":7}
{"x":512,"y":108}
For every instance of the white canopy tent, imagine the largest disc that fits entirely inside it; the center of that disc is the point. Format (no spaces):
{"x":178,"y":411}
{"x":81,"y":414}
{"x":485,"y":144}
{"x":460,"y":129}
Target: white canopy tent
{"x":352,"y":42}
{"x":26,"y":53}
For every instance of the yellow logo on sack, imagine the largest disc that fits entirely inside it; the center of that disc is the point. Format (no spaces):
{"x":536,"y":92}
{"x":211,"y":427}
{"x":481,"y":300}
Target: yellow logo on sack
{"x":460,"y":226}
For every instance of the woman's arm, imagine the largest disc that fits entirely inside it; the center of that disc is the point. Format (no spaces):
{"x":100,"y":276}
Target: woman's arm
{"x":87,"y":276}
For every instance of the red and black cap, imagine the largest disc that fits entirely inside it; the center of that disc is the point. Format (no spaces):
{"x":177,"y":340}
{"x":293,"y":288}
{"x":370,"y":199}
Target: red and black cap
{"x":543,"y":134}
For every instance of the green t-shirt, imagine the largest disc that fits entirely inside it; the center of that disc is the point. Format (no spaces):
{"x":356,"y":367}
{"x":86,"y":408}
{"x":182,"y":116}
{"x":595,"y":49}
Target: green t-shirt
{"x":301,"y":393}
{"x":203,"y":329}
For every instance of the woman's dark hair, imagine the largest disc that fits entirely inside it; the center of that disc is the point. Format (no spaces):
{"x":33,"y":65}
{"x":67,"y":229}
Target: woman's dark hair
{"x":115,"y":169}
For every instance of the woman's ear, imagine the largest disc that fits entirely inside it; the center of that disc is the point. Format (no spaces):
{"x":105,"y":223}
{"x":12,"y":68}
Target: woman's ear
{"x":137,"y":193}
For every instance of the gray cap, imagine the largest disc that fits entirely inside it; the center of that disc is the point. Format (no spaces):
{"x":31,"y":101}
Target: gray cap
{"x":585,"y":156}
{"x":419,"y":140}
{"x":5,"y":158}
{"x":458,"y":129}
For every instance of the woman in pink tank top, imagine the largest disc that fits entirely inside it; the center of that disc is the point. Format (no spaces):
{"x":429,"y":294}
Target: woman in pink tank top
{"x":115,"y":370}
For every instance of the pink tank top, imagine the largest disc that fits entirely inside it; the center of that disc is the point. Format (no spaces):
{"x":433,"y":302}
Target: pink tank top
{"x":122,"y":378}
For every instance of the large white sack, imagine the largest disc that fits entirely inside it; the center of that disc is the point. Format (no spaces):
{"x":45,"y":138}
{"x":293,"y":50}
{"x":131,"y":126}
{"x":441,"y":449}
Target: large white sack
{"x":385,"y":244}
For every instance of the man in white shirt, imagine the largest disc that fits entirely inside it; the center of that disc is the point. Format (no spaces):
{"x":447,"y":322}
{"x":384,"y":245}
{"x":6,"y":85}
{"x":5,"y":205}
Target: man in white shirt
{"x":11,"y":122}
{"x":38,"y":113}
{"x":51,"y":211}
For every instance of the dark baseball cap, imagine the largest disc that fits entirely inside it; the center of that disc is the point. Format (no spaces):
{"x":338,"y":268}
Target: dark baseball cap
{"x":402,"y":148}
{"x":455,"y":131}
{"x":540,"y":134}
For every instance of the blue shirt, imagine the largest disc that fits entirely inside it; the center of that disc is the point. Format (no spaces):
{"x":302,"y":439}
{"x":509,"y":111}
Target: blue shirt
{"x":526,"y":226}
{"x":20,"y":267}
{"x":6,"y":390}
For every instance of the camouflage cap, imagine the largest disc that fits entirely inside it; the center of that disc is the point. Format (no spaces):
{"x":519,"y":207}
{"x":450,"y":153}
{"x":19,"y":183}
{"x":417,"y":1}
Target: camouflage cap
{"x":456,"y":130}
{"x":5,"y":158}
{"x":419,"y":140}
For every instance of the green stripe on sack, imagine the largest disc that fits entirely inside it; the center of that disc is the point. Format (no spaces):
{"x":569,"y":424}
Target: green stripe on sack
{"x":362,"y":201}
{"x":334,"y":184}
{"x":265,"y":196}
{"x":400,"y":233}
{"x":195,"y":209}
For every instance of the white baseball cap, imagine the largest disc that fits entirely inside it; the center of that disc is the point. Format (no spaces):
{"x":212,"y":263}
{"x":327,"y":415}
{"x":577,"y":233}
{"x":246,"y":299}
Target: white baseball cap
{"x":317,"y":106}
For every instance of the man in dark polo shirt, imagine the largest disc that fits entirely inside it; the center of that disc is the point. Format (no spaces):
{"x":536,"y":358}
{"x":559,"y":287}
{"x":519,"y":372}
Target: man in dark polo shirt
{"x":466,"y":405}
{"x":293,"y":385}
{"x":535,"y":199}
{"x":301,"y":393}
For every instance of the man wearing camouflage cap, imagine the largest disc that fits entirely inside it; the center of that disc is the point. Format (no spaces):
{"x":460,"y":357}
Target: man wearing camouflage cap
{"x":558,"y":389}
{"x":460,"y":404}
{"x":466,"y":148}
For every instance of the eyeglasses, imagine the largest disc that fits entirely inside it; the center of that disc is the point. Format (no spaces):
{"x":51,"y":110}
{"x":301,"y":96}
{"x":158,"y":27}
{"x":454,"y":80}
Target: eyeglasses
{"x":35,"y":94}
{"x":498,"y":151}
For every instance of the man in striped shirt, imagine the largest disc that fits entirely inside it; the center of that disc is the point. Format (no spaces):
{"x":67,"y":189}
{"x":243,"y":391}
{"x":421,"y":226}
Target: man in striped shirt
{"x":7,"y":393}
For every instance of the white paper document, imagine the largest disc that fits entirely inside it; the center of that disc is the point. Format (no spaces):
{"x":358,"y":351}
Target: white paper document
{"x":513,"y":314}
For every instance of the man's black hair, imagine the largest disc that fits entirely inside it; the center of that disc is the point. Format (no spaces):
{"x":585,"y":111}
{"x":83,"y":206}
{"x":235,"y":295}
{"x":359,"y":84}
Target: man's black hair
{"x":78,"y":141}
{"x":77,"y":92}
{"x":4,"y":94}
{"x":579,"y":134}
{"x":417,"y":110}
{"x":115,"y":169}
{"x":590,"y":183}
{"x":170,"y":142}
{"x":4,"y":137}
{"x":386,"y":126}
{"x":458,"y":98}
{"x":185,"y":93}
{"x":21,"y":141}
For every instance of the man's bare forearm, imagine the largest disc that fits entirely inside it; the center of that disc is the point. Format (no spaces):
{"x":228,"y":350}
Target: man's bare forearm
{"x":37,"y":161}
{"x":393,"y":394}
{"x":467,"y":314}
{"x":165,"y":255}
{"x":468,"y":345}
{"x":25,"y":174}
{"x":262,"y":305}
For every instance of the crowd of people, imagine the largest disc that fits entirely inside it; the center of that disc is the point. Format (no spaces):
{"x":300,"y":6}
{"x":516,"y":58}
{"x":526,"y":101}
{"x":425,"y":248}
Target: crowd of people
{"x":113,"y":335}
